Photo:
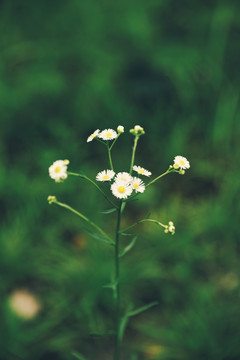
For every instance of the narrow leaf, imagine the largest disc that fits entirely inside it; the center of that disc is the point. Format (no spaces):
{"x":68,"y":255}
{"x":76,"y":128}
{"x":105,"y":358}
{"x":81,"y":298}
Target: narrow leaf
{"x":109,"y":211}
{"x":78,"y":356}
{"x":143,"y":308}
{"x":123,"y":323}
{"x":128,"y":247}
{"x":98,"y":236}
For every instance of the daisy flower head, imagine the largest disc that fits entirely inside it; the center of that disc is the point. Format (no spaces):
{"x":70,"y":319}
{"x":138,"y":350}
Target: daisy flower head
{"x":120,"y":129}
{"x":105,"y":175}
{"x":140,"y":170}
{"x":58,"y":170}
{"x":181,"y":162}
{"x":138,"y":185}
{"x":93,"y":135}
{"x":121,"y":190}
{"x":124,"y":177}
{"x":108,"y":134}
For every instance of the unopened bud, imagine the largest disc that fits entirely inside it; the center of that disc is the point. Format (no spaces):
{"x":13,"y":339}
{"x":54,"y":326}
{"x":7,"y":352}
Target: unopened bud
{"x":51,"y":199}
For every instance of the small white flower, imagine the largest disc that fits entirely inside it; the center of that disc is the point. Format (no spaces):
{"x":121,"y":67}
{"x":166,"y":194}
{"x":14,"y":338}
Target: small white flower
{"x":138,"y":185}
{"x":108,"y":134}
{"x":181,"y":162}
{"x":58,"y":170}
{"x":120,"y":129}
{"x":140,"y":170}
{"x":124,"y":177}
{"x":105,"y":175}
{"x":121,"y":190}
{"x":93,"y":135}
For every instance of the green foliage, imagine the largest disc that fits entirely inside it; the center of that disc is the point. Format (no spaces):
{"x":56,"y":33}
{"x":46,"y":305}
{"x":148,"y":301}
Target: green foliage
{"x":68,"y":68}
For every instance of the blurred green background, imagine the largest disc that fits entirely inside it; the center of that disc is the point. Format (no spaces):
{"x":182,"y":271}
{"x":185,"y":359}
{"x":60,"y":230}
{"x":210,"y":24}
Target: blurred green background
{"x":68,"y":68}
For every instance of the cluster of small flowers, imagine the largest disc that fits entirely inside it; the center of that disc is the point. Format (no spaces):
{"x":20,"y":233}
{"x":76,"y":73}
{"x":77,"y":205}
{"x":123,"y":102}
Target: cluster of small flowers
{"x":107,"y":134}
{"x":170,"y":228}
{"x":137,"y":130}
{"x":123,"y":183}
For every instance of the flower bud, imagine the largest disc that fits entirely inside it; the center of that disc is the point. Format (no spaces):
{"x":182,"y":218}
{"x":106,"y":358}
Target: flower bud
{"x":51,"y":199}
{"x":120,"y":129}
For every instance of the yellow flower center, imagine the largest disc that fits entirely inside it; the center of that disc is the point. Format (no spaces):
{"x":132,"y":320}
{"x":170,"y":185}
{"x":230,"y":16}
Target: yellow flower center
{"x":141,"y":171}
{"x":108,"y":135}
{"x":121,"y":189}
{"x":182,"y":162}
{"x":105,"y":177}
{"x":136,"y":186}
{"x":57,"y":169}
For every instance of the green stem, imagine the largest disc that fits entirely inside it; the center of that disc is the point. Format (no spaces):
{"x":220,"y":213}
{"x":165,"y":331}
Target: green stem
{"x":110,"y":157}
{"x":141,"y":221}
{"x":92,"y":182}
{"x":85,"y":219}
{"x":133,"y":153}
{"x":114,"y":141}
{"x":117,"y":320}
{"x":160,"y":176}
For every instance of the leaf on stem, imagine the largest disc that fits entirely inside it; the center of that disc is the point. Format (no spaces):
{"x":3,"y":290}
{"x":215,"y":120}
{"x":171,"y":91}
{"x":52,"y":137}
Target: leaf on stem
{"x":109,"y":211}
{"x":143,"y":308}
{"x":78,"y":356}
{"x":123,"y":323}
{"x":98,"y":236}
{"x":128,"y":247}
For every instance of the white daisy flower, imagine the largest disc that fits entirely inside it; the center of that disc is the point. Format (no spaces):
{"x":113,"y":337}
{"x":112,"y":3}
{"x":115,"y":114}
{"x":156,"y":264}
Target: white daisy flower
{"x":93,"y":135}
{"x":108,"y":134}
{"x":181,"y":162}
{"x":140,"y":170}
{"x":105,"y":175}
{"x":121,"y":190}
{"x":58,"y":170}
{"x":124,"y":177}
{"x":138,"y":185}
{"x":120,"y":129}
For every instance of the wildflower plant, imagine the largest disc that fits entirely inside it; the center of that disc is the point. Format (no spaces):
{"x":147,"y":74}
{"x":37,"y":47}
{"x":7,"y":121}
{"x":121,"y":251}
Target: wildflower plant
{"x":124,"y":187}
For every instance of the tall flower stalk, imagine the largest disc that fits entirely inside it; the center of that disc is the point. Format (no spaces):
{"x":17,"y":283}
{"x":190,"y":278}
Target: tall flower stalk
{"x":124,"y":187}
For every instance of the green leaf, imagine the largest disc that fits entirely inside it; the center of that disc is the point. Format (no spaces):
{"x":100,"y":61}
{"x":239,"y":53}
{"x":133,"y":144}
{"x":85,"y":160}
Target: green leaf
{"x":123,"y":323}
{"x":128,"y":247}
{"x":109,"y":211}
{"x":78,"y":356}
{"x":143,"y":308}
{"x":125,"y":234}
{"x":98,"y":236}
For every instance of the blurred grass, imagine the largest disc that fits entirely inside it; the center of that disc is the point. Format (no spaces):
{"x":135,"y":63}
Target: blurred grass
{"x":68,"y":68}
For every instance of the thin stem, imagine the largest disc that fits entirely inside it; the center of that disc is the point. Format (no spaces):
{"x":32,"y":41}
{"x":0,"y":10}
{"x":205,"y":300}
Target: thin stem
{"x":160,"y":176}
{"x":114,"y":141}
{"x":85,"y":219}
{"x":117,"y":320}
{"x":133,"y":153}
{"x":141,"y":221}
{"x":110,"y":157}
{"x":92,"y":182}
